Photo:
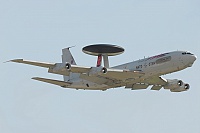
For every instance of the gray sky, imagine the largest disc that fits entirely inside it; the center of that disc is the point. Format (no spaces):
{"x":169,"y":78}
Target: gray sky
{"x":39,"y":29}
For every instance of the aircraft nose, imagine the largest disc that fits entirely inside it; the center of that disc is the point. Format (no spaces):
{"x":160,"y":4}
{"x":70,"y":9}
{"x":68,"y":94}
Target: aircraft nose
{"x":194,"y":57}
{"x":188,"y":58}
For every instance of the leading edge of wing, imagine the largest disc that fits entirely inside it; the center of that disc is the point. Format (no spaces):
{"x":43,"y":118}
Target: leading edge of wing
{"x":34,"y":63}
{"x":123,"y":75}
{"x":116,"y":74}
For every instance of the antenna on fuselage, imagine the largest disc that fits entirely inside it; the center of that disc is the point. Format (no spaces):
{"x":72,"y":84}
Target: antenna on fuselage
{"x":103,"y":51}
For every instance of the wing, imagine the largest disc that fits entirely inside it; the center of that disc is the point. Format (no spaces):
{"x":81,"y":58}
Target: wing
{"x":123,"y":75}
{"x":156,"y":81}
{"x":117,"y":74}
{"x":79,"y":69}
{"x":34,"y":63}
{"x":52,"y":81}
{"x":112,"y":77}
{"x":114,"y":74}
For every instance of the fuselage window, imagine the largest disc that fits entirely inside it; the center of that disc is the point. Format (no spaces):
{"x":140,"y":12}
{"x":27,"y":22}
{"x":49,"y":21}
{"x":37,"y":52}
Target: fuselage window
{"x":163,"y":60}
{"x":139,"y":67}
{"x":152,"y":63}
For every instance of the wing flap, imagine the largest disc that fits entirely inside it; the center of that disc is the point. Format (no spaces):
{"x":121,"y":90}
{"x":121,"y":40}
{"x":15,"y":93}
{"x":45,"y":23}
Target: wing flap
{"x":136,"y":86}
{"x":51,"y":81}
{"x":156,"y":81}
{"x":34,"y":63}
{"x":156,"y":87}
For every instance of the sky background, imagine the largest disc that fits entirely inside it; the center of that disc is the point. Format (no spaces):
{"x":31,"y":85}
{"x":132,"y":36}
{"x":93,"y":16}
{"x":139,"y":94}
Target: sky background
{"x":39,"y":29}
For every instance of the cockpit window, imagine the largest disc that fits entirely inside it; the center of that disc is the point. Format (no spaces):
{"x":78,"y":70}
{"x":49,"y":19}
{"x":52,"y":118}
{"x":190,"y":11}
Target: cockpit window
{"x":188,"y":53}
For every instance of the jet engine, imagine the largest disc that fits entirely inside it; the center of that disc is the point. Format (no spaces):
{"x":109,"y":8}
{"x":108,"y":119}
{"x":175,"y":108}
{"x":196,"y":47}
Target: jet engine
{"x":60,"y":67}
{"x":176,"y":85}
{"x":68,"y":66}
{"x":97,"y":71}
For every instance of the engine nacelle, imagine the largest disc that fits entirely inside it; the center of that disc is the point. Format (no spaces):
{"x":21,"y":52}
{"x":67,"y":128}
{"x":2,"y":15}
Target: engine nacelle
{"x":97,"y":71}
{"x":104,"y":70}
{"x":68,"y":66}
{"x":60,"y":67}
{"x":176,"y":85}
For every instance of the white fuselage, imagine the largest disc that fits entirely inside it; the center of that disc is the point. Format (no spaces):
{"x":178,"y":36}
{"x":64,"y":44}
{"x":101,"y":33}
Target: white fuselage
{"x":152,"y":66}
{"x":161,"y":64}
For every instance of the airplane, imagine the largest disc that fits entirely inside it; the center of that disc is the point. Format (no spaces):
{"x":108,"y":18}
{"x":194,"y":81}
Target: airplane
{"x":134,"y":75}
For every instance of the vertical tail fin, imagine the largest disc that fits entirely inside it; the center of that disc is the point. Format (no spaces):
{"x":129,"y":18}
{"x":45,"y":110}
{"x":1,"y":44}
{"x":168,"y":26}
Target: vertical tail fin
{"x":67,"y":57}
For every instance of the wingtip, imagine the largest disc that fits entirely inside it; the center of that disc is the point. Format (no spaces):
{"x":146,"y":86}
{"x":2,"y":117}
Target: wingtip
{"x":15,"y":60}
{"x":35,"y":78}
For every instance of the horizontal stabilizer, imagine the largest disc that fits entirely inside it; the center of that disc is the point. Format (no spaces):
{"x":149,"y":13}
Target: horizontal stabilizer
{"x":51,"y":81}
{"x":35,"y":63}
